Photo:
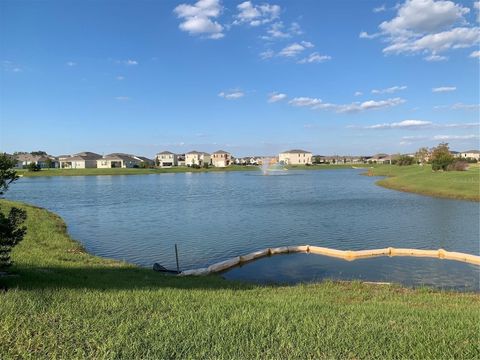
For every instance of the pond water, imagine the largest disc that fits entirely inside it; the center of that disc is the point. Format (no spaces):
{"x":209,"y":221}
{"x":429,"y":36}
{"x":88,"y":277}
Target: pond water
{"x":215,"y":216}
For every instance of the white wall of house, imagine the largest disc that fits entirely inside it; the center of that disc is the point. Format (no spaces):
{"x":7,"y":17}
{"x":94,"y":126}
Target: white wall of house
{"x":295,"y":158}
{"x":472,"y":155}
{"x":167,"y":160}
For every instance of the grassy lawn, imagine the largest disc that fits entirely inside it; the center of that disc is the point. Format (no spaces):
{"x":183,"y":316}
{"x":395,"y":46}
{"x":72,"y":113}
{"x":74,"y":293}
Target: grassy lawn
{"x":121,"y":171}
{"x":65,"y":303}
{"x":463,"y":185}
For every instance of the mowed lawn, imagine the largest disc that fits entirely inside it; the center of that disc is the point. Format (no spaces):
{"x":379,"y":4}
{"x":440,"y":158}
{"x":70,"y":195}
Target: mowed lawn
{"x":64,"y":303}
{"x":422,"y":180}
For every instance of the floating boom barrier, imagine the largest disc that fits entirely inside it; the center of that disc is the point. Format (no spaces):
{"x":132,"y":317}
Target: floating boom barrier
{"x":348,"y":255}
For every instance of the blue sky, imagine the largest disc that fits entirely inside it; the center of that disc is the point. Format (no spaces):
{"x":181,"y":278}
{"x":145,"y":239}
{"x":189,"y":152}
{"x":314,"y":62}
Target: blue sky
{"x":333,"y":77}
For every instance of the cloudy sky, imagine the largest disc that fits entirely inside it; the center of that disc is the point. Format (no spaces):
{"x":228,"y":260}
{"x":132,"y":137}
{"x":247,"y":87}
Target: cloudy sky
{"x":251,"y":77}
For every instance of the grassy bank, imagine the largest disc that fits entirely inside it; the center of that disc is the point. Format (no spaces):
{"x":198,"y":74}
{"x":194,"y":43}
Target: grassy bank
{"x":121,"y":171}
{"x":463,"y":185}
{"x":179,"y":169}
{"x":65,"y":303}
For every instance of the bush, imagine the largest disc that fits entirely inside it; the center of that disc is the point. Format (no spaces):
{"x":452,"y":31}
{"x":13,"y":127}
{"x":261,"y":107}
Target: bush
{"x":441,"y":157}
{"x":10,"y":233}
{"x":458,"y":165}
{"x":33,"y":167}
{"x":405,"y":160}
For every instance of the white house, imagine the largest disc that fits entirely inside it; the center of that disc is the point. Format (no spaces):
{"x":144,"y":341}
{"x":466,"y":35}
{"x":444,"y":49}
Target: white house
{"x":472,"y":154}
{"x":81,"y":160}
{"x":119,"y":160}
{"x":295,"y":157}
{"x":193,"y":158}
{"x":221,"y":158}
{"x":166,"y":159}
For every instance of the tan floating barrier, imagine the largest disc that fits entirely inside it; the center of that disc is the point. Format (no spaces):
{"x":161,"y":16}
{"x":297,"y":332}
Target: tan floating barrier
{"x":349,"y":255}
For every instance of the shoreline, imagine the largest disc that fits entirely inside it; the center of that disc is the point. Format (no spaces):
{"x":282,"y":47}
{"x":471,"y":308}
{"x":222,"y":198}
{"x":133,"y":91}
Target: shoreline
{"x":65,"y":303}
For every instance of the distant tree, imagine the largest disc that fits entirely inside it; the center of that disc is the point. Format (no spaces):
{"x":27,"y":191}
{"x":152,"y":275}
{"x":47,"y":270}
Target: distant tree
{"x":404,"y":160}
{"x":157,"y":162}
{"x":49,"y":163}
{"x":33,"y":167}
{"x":11,"y":231}
{"x":421,"y":156}
{"x":38,"y":153}
{"x":441,"y":157}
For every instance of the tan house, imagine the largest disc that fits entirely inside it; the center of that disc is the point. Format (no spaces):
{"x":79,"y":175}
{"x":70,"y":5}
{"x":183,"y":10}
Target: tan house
{"x":43,"y":161}
{"x":81,"y":160}
{"x":193,"y":158}
{"x":470,"y":154}
{"x":221,"y":158}
{"x":166,"y":159}
{"x":295,"y":157}
{"x":119,"y":160}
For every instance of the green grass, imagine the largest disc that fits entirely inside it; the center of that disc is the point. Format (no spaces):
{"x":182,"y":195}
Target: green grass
{"x":65,"y":303}
{"x":464,"y":185}
{"x":121,"y":171}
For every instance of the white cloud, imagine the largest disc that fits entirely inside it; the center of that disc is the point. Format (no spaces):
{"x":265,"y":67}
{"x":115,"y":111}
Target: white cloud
{"x":475,"y":54}
{"x":435,"y":58}
{"x":365,"y":35}
{"x":389,"y":90}
{"x":122,"y":98}
{"x":120,"y":78}
{"x":276,"y":97}
{"x":11,"y":66}
{"x":130,"y":62}
{"x":295,"y":49}
{"x":458,"y":106}
{"x":305,"y":101}
{"x":318,"y":104}
{"x":380,"y":9}
{"x":428,"y":27}
{"x":401,"y":124}
{"x":358,"y":93}
{"x":315,"y":57}
{"x":476,"y":6}
{"x":444,"y":89}
{"x":255,"y":15}
{"x":454,"y":137}
{"x":267,"y":54}
{"x":232,"y":94}
{"x":71,"y":63}
{"x":197,"y":19}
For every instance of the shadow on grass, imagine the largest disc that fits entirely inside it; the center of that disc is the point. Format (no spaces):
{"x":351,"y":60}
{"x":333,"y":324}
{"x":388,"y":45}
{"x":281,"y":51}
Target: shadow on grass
{"x":110,"y":278}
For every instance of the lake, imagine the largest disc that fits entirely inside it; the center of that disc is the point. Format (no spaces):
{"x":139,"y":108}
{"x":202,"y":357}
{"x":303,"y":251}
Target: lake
{"x":215,"y":216}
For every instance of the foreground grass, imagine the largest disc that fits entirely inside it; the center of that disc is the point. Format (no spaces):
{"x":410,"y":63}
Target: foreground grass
{"x":463,"y":185}
{"x":65,"y":303}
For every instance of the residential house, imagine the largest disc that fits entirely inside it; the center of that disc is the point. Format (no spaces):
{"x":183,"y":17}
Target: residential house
{"x":193,"y":158}
{"x":81,"y":160}
{"x":166,"y":159}
{"x":381,"y":159}
{"x":119,"y":160}
{"x":470,"y":154}
{"x":181,"y":159}
{"x":221,"y":158}
{"x":43,"y":161}
{"x":295,"y":157}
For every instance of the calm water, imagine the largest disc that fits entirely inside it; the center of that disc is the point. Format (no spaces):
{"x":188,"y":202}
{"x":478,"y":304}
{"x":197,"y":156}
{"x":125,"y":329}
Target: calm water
{"x":215,"y":216}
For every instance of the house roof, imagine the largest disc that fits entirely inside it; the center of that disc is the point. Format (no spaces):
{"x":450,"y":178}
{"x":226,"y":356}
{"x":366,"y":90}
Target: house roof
{"x":32,"y":158}
{"x":165,"y":153}
{"x":119,"y":156}
{"x":296,"y":151}
{"x":472,"y":151}
{"x":84,"y":156}
{"x":221,"y":152}
{"x":194,"y":152}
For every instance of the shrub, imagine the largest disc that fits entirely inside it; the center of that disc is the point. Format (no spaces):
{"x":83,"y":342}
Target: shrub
{"x":404,"y":160}
{"x":441,"y":157}
{"x":458,"y":165}
{"x":33,"y":167}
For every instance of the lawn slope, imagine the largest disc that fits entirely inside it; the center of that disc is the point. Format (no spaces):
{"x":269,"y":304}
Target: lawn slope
{"x":464,"y":185}
{"x":65,"y":303}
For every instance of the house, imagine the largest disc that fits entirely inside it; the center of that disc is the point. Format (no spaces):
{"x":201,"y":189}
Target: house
{"x":166,"y":159}
{"x":43,"y":161}
{"x":181,"y":159}
{"x":470,"y":154}
{"x":119,"y":160}
{"x":381,"y":159}
{"x":295,"y":157}
{"x":221,"y":158}
{"x":81,"y":160}
{"x":193,"y":158}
